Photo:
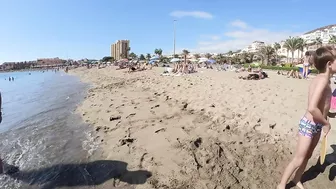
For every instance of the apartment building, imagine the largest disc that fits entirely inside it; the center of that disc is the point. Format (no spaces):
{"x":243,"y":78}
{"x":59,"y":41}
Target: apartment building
{"x":120,"y":49}
{"x":324,"y":33}
{"x":254,"y":47}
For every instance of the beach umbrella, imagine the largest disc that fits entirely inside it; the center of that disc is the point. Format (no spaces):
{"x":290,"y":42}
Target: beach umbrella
{"x":154,"y":58}
{"x":203,"y":59}
{"x":211,"y":61}
{"x":193,"y":60}
{"x":152,"y":62}
{"x":175,"y":60}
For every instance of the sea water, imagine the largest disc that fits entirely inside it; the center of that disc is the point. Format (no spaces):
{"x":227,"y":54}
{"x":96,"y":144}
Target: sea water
{"x":40,"y":130}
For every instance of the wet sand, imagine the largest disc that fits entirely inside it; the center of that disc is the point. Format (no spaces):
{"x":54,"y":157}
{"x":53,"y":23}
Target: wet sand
{"x":203,"y":130}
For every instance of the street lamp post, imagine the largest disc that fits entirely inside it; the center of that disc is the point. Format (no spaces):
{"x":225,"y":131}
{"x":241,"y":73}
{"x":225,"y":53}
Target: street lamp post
{"x":174,"y":37}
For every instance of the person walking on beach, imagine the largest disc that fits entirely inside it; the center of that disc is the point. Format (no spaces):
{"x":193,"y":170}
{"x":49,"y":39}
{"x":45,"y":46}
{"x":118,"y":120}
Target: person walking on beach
{"x":315,"y":119}
{"x":306,"y":64}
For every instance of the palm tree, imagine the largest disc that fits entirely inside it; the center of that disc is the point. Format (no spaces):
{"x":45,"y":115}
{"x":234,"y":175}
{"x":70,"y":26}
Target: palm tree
{"x":332,"y":39}
{"x":266,"y":52}
{"x":197,"y":56}
{"x":276,"y":47}
{"x":208,"y":55}
{"x":244,"y":57}
{"x":318,"y":42}
{"x":301,"y":46}
{"x":185,"y":54}
{"x":142,"y":57}
{"x":127,"y":53}
{"x":148,"y":56}
{"x":292,"y":44}
{"x":132,"y":55}
{"x":220,"y":57}
{"x":250,"y":57}
{"x":158,"y":52}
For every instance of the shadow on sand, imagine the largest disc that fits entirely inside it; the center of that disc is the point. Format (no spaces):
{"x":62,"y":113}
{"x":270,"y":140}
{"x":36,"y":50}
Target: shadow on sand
{"x":317,"y":169}
{"x":88,"y":174}
{"x":314,"y":171}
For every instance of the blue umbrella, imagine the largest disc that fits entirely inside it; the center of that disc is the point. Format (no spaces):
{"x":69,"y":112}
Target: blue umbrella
{"x":211,"y":61}
{"x":152,"y":62}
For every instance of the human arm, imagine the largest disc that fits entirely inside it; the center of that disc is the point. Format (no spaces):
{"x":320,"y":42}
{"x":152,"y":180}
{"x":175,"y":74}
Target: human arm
{"x":315,"y":99}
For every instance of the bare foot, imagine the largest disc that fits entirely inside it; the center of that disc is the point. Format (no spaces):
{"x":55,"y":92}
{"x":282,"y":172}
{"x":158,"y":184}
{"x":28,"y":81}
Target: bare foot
{"x":300,"y":185}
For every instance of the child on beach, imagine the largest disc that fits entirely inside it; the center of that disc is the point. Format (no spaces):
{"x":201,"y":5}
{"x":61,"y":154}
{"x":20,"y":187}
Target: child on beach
{"x":315,"y":119}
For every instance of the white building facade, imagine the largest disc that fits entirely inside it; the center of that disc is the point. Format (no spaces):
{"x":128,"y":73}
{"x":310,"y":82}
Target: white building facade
{"x":254,"y":47}
{"x":323,"y":33}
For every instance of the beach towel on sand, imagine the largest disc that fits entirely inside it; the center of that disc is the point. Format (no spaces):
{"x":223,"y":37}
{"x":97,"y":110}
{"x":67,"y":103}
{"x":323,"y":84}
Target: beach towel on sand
{"x":333,"y":102}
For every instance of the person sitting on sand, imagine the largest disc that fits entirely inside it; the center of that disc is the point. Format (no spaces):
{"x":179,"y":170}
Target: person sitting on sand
{"x":315,"y":122}
{"x":255,"y":76}
{"x":249,"y":69}
{"x":191,"y":68}
{"x":292,"y":73}
{"x":240,"y":70}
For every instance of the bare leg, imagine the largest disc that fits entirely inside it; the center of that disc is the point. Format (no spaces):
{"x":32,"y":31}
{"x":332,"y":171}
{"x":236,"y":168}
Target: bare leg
{"x":302,"y":150}
{"x":302,"y":168}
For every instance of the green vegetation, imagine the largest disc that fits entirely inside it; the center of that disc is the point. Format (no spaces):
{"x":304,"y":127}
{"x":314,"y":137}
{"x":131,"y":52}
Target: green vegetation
{"x":107,"y":59}
{"x":158,"y":52}
{"x":132,"y":55}
{"x":142,"y":57}
{"x":285,"y":67}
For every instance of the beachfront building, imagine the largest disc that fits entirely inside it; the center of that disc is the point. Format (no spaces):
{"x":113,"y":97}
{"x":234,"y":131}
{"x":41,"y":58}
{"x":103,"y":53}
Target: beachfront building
{"x":323,"y":33}
{"x":50,"y":61}
{"x":120,"y":49}
{"x":254,"y":47}
{"x":17,"y":65}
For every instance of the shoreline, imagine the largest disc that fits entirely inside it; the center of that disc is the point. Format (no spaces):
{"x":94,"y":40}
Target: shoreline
{"x":196,"y":131}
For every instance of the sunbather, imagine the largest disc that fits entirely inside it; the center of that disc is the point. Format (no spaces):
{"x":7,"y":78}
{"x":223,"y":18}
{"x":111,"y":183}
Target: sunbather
{"x":255,"y":76}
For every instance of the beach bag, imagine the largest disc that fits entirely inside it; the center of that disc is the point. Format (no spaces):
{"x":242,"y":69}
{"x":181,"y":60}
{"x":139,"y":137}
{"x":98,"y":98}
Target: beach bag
{"x":333,"y":102}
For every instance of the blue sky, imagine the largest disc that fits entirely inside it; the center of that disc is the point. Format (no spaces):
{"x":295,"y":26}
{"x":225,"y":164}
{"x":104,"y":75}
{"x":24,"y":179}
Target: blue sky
{"x":77,"y":29}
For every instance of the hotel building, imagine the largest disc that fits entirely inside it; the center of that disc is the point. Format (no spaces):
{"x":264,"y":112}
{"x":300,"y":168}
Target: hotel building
{"x":120,"y":49}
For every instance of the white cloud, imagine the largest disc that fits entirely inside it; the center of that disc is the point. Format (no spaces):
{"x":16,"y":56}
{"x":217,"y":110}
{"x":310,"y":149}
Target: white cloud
{"x":239,"y":38}
{"x":195,"y":14}
{"x":239,"y":24}
{"x":212,"y":37}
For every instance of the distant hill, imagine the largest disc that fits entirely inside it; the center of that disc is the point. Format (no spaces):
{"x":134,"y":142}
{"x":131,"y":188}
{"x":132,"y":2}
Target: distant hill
{"x":321,"y":28}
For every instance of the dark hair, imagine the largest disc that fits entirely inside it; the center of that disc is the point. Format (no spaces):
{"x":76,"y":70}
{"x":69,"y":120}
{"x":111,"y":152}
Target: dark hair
{"x":322,"y":56}
{"x":307,"y":53}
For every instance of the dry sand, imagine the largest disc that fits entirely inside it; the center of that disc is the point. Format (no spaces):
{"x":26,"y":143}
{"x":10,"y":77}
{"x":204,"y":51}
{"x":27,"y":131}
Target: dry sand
{"x":203,"y":130}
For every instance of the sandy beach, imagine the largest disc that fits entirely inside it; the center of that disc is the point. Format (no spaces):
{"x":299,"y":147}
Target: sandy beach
{"x":204,"y":130}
